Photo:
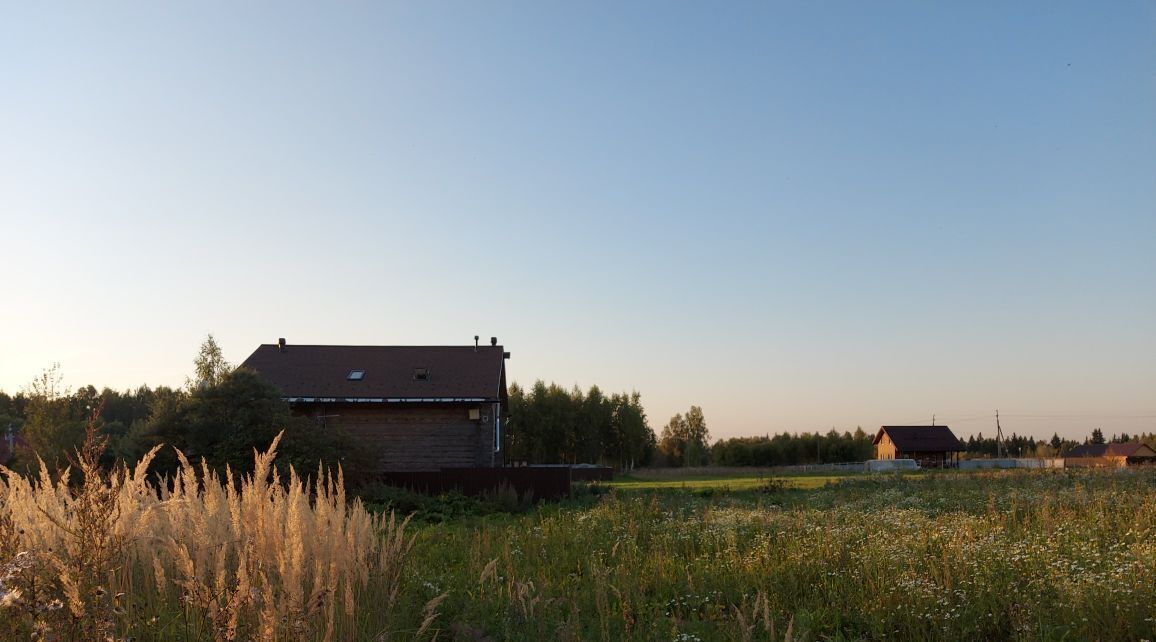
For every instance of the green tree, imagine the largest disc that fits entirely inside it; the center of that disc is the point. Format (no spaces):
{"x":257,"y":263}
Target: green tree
{"x":223,"y":423}
{"x":53,"y":427}
{"x":549,"y":424}
{"x":684,"y":440}
{"x":634,"y":441}
{"x":672,"y":442}
{"x":210,"y":367}
{"x":697,"y":438}
{"x":1097,"y":436}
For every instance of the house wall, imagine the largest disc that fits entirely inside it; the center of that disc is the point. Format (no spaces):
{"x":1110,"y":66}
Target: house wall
{"x":415,"y":437}
{"x":885,"y":449}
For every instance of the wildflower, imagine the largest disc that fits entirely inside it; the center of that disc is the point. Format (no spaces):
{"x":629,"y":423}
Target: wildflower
{"x":9,"y":598}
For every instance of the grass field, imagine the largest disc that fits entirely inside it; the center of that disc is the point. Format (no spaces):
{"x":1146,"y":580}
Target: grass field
{"x":1006,"y":555}
{"x":1030,"y":555}
{"x":733,"y":481}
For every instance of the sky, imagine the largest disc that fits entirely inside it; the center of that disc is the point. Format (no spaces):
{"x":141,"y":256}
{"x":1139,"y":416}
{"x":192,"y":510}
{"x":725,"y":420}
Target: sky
{"x":796,"y":215}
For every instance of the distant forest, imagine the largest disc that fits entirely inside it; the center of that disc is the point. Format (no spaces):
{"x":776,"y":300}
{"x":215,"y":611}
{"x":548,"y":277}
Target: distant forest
{"x":222,"y":413}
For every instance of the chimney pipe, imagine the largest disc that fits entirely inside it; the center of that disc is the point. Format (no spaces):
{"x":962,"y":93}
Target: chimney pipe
{"x":475,"y":343}
{"x":493,"y":341}
{"x":281,"y":344}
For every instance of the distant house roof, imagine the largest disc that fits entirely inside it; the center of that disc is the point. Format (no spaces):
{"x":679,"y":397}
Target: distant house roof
{"x":921,"y":438}
{"x":318,"y":373}
{"x":1128,"y":449}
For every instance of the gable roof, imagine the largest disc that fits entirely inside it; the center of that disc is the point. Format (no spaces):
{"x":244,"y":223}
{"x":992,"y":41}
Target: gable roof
{"x":1128,"y":449}
{"x":920,"y":438}
{"x":322,"y":373}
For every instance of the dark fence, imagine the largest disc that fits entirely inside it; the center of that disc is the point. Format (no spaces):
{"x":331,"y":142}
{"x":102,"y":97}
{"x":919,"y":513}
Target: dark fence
{"x":545,"y":482}
{"x":591,"y":473}
{"x":578,"y":472}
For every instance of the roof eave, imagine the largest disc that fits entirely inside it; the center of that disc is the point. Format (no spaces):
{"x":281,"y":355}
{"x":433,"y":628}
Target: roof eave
{"x":385,"y":400}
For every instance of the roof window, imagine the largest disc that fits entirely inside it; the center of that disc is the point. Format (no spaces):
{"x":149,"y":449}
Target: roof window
{"x":421,"y":374}
{"x":355,"y":375}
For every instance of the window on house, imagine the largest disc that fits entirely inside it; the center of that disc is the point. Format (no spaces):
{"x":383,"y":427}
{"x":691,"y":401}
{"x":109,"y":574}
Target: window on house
{"x":355,"y":375}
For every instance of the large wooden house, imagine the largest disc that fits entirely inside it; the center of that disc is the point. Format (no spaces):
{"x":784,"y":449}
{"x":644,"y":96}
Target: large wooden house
{"x":931,"y":446}
{"x":416,"y":407}
{"x":1111,"y":455}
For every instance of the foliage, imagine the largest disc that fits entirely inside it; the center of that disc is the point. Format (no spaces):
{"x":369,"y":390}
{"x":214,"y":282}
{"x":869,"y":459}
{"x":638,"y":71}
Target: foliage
{"x":549,"y":424}
{"x":210,"y":367}
{"x":222,"y":418}
{"x":684,"y":440}
{"x":224,"y":423}
{"x":54,"y":424}
{"x":12,"y":409}
{"x":786,"y":449}
{"x":1017,"y":446}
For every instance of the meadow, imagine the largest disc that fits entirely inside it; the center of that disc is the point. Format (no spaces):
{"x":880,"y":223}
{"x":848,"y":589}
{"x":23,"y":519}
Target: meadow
{"x":1025,"y":555}
{"x":1019,"y":555}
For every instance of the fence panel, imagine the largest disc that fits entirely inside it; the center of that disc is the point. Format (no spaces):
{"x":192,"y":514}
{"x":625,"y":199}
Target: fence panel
{"x":539,"y":482}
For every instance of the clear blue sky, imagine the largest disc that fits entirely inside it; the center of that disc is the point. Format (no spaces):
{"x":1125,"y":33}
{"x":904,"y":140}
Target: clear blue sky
{"x":797,"y":215}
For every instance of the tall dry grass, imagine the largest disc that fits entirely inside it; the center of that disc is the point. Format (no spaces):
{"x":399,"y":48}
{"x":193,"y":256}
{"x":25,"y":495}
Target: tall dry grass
{"x":120,"y":556}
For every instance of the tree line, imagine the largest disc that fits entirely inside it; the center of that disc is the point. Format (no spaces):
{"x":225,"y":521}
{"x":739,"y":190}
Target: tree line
{"x":549,"y":424}
{"x":788,"y":449}
{"x":1024,"y":446}
{"x":223,"y":413}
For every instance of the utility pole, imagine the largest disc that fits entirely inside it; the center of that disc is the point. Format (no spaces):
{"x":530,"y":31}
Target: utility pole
{"x":998,"y":437}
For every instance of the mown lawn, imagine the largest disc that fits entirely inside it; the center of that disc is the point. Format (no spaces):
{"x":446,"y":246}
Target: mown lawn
{"x":1026,"y":555}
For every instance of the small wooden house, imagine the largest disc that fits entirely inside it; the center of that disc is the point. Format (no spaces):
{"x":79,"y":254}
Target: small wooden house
{"x":931,"y":446}
{"x":416,"y":407}
{"x":1126,"y":454}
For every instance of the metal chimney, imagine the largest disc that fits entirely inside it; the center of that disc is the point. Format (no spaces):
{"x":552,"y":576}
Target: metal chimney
{"x":493,"y":341}
{"x":281,"y":344}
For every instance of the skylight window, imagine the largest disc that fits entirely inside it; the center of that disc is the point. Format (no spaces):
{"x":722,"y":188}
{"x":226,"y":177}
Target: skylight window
{"x":355,"y":375}
{"x":421,"y":374}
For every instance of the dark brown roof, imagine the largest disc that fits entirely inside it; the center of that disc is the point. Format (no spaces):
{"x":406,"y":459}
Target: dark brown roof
{"x":316,"y":373}
{"x":1129,"y":449}
{"x":921,"y":438}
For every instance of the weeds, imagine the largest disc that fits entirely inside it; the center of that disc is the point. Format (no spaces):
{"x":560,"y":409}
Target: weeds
{"x":1029,"y":555}
{"x":196,"y":556}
